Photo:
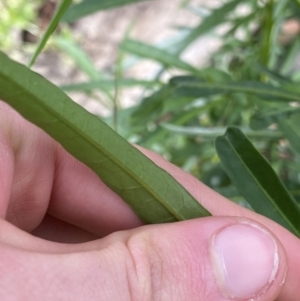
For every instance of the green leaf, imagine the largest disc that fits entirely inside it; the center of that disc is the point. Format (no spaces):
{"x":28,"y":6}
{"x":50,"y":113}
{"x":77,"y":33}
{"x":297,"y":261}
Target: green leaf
{"x":52,"y":26}
{"x":217,"y":17}
{"x":83,"y":62}
{"x":194,"y":87}
{"x":152,"y":193}
{"x":290,"y":127}
{"x":213,"y":132}
{"x":88,"y":7}
{"x":156,"y":54}
{"x":295,"y":5}
{"x":79,"y":56}
{"x":265,"y":118}
{"x":241,"y":22}
{"x":290,"y":57}
{"x":150,"y":105}
{"x":288,"y":120}
{"x":109,"y":84}
{"x":293,"y":87}
{"x":256,"y":180}
{"x":272,"y":74}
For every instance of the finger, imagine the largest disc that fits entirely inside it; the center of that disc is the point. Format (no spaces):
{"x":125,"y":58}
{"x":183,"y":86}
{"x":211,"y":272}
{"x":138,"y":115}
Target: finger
{"x":53,"y":229}
{"x":79,"y":197}
{"x":37,"y":176}
{"x":205,"y":259}
{"x":6,"y":171}
{"x":220,"y":206}
{"x":12,"y":236}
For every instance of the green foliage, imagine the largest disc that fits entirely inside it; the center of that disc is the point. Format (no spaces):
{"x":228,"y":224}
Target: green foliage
{"x":154,"y":195}
{"x":250,"y":83}
{"x":87,"y":7}
{"x":51,"y":28}
{"x":256,"y":180}
{"x":161,"y":56}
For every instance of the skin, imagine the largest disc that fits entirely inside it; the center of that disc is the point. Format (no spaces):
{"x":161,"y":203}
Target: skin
{"x":65,"y":236}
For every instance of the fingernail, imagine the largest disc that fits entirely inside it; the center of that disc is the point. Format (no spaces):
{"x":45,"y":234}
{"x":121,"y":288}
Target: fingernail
{"x":245,"y":259}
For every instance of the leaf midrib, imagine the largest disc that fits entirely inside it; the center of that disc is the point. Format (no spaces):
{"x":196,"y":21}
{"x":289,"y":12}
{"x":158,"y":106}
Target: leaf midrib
{"x":262,"y":188}
{"x":103,"y":150}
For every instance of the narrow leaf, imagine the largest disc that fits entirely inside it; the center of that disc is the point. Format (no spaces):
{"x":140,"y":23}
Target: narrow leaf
{"x":261,"y":120}
{"x":88,"y":7}
{"x":256,"y":180}
{"x":272,"y":74}
{"x":295,"y":7}
{"x":156,"y":54}
{"x":150,"y":105}
{"x":83,"y":62}
{"x":80,"y":57}
{"x":290,"y":57}
{"x":192,"y":86}
{"x":151,"y":192}
{"x":213,"y":132}
{"x":217,"y":17}
{"x":109,"y":84}
{"x":52,"y":26}
{"x":287,"y":119}
{"x":290,"y":126}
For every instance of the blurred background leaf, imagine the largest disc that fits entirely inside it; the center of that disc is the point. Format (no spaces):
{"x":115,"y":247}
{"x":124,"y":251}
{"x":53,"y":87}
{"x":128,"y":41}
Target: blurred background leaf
{"x":87,"y":7}
{"x":62,"y":8}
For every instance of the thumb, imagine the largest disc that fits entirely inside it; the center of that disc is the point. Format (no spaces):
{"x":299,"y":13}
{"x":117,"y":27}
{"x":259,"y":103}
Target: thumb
{"x":207,"y":259}
{"x":213,"y":258}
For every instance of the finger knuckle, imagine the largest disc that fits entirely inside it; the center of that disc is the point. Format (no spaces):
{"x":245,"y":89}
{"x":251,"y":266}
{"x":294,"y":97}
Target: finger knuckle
{"x":154,"y":271}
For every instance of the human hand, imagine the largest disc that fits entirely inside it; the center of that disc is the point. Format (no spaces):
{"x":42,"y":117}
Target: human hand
{"x":104,"y":251}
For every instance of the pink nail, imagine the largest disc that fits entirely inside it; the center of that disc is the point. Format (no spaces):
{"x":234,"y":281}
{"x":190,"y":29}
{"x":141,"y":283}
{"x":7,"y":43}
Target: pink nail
{"x":245,"y":259}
